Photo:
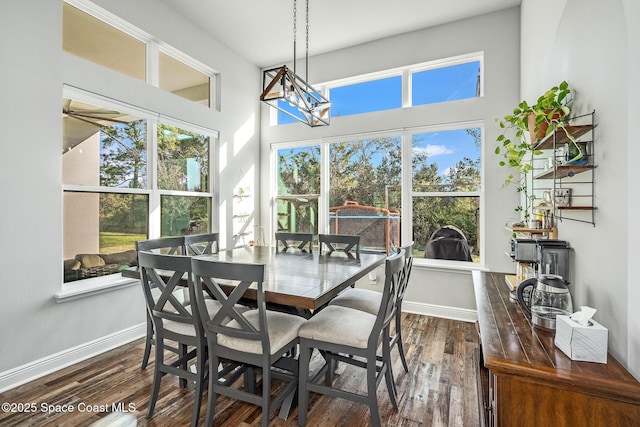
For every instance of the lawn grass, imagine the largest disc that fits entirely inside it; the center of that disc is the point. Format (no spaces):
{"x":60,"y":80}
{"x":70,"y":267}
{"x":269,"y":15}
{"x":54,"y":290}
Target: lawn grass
{"x":111,"y":242}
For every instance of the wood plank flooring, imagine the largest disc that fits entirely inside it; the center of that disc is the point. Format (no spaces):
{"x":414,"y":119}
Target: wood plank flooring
{"x":438,"y":391}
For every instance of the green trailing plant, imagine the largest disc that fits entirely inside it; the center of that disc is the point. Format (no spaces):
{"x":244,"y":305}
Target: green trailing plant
{"x":522,"y":129}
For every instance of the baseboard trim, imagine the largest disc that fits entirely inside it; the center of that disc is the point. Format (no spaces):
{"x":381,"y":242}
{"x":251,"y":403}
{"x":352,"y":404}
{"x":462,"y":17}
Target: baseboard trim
{"x":39,"y":368}
{"x":454,"y":313}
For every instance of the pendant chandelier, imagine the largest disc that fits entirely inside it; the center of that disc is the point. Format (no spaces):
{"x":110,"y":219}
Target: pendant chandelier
{"x":283,"y":89}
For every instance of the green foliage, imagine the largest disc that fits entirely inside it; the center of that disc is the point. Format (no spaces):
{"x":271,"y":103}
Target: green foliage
{"x":124,"y":154}
{"x":369,"y":172}
{"x":123,"y":164}
{"x":516,"y":149}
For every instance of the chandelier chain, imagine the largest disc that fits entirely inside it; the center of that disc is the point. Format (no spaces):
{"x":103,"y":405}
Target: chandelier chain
{"x":306,"y":65}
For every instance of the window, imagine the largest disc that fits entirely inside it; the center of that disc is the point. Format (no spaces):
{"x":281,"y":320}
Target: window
{"x":109,"y":193}
{"x":364,"y":190}
{"x":183,"y":80}
{"x":107,"y":41}
{"x":298,"y":189}
{"x":445,"y":193}
{"x":421,"y":183}
{"x":92,"y":39}
{"x":445,"y":80}
{"x":365,"y":97}
{"x":445,"y":84}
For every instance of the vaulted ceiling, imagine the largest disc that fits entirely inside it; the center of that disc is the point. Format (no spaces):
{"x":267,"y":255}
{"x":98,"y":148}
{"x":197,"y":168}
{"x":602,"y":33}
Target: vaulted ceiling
{"x":262,"y":30}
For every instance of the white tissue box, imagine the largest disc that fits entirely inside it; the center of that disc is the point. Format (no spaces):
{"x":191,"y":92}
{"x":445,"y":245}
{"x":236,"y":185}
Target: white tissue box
{"x":581,"y":342}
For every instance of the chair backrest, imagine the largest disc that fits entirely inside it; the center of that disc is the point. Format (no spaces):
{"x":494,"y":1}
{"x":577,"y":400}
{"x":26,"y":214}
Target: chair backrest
{"x":240,"y":276}
{"x":164,"y":245}
{"x":408,"y":264}
{"x":394,"y":269}
{"x":166,"y":273}
{"x":339,"y":242}
{"x":297,"y":240}
{"x":199,"y":244}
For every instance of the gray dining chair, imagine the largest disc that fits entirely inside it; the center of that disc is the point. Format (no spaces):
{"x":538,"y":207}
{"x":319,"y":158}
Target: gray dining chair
{"x":294,"y":240}
{"x":165,"y":245}
{"x":256,"y":338}
{"x":339,"y":242}
{"x":174,"y":321}
{"x":368,"y":300}
{"x":201,"y":244}
{"x":351,"y":336}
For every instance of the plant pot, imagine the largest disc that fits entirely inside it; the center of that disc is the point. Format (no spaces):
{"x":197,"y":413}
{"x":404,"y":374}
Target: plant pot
{"x":542,"y":128}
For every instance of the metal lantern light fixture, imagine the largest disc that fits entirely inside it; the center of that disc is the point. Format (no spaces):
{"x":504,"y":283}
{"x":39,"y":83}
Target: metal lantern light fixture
{"x":282,"y":87}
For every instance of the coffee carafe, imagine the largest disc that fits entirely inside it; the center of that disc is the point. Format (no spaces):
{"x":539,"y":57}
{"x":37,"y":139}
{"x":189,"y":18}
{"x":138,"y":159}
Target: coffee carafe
{"x":543,"y":298}
{"x":553,"y":257}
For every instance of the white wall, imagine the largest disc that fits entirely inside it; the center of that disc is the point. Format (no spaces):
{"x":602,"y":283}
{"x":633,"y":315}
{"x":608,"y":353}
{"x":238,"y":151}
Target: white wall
{"x":588,"y":43}
{"x":32,"y":325}
{"x":496,"y":34}
{"x":632,"y":15}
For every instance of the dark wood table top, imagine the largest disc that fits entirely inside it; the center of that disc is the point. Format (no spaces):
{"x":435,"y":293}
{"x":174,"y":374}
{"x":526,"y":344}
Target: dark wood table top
{"x":302,"y":279}
{"x":512,"y":345}
{"x":298,"y":278}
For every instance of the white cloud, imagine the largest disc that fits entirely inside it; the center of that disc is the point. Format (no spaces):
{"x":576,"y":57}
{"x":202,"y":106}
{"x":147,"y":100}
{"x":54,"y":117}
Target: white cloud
{"x":434,"y":150}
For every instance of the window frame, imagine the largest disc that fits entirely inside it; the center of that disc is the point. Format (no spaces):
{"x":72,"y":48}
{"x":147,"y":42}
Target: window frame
{"x":406,"y":72}
{"x":407,"y":193}
{"x":407,"y":182}
{"x":79,"y":287}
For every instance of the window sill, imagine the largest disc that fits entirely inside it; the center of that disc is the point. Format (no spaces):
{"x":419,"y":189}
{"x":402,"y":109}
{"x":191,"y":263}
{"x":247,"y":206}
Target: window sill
{"x":448,"y":266}
{"x":97,"y":285}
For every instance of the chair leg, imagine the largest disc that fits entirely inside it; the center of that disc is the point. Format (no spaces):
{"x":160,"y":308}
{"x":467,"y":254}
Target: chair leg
{"x":183,"y":352}
{"x":148,"y":342}
{"x":213,"y":379}
{"x":303,"y":377}
{"x":371,"y":391}
{"x":157,"y":377}
{"x":399,"y":341}
{"x":266,"y":394}
{"x":199,"y":385}
{"x":387,"y":370}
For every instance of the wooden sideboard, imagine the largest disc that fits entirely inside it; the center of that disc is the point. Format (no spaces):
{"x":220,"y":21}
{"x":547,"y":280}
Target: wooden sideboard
{"x":526,"y":381}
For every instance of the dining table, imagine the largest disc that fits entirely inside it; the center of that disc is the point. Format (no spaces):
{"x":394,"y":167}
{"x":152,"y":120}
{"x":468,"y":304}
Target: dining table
{"x":299,"y":278}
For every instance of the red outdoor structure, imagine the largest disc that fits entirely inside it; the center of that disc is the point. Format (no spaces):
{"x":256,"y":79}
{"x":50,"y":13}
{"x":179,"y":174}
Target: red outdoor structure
{"x":378,"y":228}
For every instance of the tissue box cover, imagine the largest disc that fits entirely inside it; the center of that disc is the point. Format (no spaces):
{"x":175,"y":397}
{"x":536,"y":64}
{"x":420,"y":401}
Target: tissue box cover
{"x":580,"y":342}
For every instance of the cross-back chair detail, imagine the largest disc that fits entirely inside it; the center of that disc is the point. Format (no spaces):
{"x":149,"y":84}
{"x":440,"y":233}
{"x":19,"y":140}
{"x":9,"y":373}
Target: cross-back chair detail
{"x":339,"y":242}
{"x":296,"y":240}
{"x":199,"y":244}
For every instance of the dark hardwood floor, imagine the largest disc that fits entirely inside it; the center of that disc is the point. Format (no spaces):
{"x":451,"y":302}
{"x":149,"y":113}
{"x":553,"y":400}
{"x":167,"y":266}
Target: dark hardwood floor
{"x":439,"y":390}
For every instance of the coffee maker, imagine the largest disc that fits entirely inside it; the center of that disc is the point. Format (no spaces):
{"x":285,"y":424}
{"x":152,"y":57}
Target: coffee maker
{"x":553,"y":257}
{"x":547,"y":295}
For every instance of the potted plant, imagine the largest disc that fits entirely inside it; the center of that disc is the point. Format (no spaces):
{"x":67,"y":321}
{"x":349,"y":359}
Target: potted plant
{"x":530,"y":123}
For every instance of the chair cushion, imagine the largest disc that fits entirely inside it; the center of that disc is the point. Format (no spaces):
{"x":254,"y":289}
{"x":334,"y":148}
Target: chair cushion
{"x":360,"y":299}
{"x":339,"y":325}
{"x":282,"y":329}
{"x":71,"y":264}
{"x":90,"y":260}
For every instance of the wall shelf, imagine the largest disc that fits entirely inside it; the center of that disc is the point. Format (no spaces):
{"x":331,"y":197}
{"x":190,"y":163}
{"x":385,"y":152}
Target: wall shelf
{"x":577,"y":194}
{"x":564,"y":171}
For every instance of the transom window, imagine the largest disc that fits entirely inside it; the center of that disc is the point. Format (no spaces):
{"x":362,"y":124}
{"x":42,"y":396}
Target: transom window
{"x":446,"y":80}
{"x":106,"y":40}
